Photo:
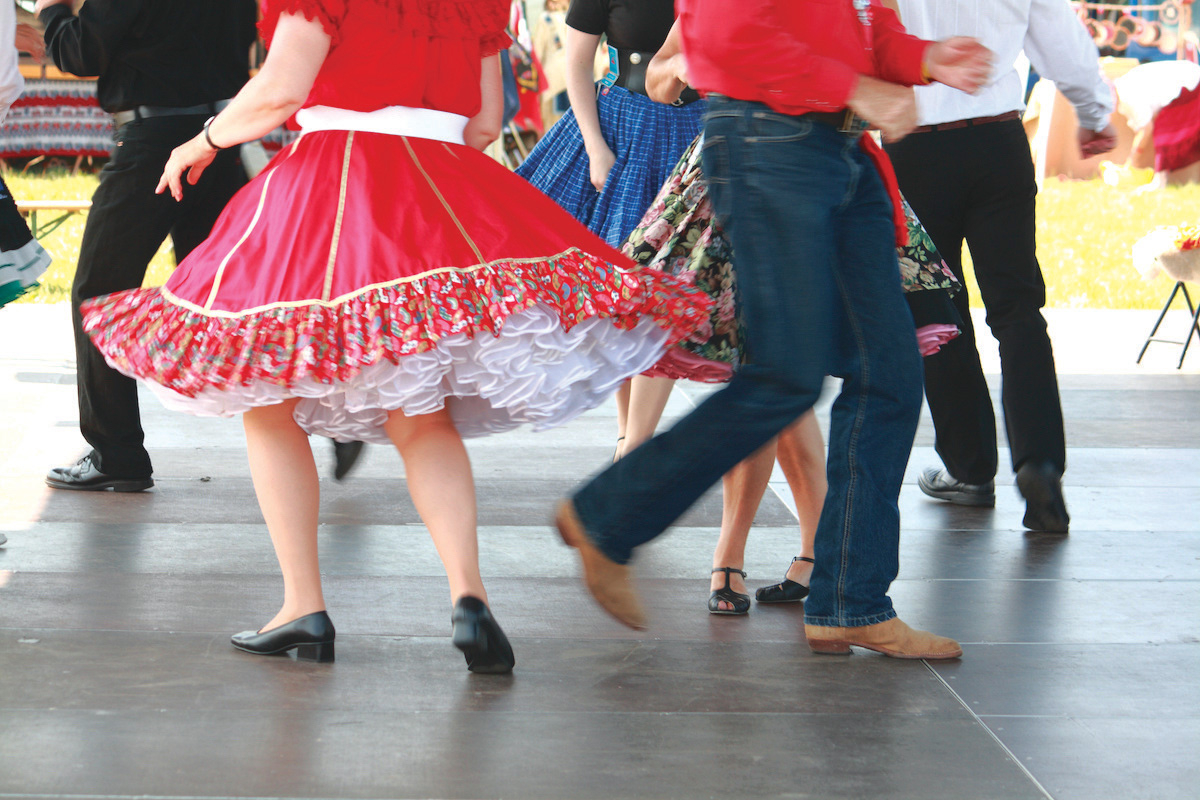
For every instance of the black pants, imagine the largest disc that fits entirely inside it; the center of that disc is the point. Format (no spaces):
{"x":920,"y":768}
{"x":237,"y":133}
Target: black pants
{"x":977,"y":183}
{"x":125,"y":227}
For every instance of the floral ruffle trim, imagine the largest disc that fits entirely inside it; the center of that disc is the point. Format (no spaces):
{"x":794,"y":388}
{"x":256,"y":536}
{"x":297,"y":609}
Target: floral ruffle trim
{"x":485,"y":19}
{"x":681,"y":364}
{"x":146,"y":334}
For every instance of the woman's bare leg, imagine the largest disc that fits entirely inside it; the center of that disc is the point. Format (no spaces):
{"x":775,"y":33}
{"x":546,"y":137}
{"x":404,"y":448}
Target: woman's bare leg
{"x":443,"y":490}
{"x":742,"y":491}
{"x":286,"y":483}
{"x":647,"y":399}
{"x":622,"y":415}
{"x":801,"y":456}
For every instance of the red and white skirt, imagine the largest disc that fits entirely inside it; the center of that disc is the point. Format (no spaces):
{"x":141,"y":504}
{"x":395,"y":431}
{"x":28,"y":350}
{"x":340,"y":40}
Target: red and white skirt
{"x":371,"y":267}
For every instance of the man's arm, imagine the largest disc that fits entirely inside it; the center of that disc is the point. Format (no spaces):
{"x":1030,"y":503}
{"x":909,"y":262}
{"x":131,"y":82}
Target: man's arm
{"x":11,"y":81}
{"x":898,"y":54}
{"x":1060,"y":49}
{"x":85,"y":45}
{"x":960,"y":61}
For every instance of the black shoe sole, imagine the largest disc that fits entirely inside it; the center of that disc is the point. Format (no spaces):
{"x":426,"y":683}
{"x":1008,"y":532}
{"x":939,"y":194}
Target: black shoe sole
{"x":959,"y":498}
{"x":117,"y":485}
{"x":1045,"y":509}
{"x":320,"y":652}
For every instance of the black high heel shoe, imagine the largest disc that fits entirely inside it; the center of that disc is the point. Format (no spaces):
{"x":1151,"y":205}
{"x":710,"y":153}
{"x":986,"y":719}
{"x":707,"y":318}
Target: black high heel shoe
{"x":311,"y":636}
{"x":739,"y":601}
{"x":786,"y":591}
{"x":478,"y":635}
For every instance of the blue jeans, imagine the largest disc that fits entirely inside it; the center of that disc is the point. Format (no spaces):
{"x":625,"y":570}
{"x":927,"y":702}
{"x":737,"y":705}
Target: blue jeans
{"x":819,"y":289}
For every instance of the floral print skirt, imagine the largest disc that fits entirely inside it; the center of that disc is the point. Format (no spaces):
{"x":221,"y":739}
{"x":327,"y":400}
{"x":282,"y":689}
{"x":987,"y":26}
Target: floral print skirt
{"x":680,"y":236}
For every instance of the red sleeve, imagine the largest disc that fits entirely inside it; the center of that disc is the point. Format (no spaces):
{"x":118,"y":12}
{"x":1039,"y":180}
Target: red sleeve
{"x":328,"y":12}
{"x":493,"y":43}
{"x":898,"y":56}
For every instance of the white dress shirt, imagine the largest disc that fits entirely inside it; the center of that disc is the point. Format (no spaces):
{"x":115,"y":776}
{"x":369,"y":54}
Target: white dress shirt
{"x":11,"y":82}
{"x":1047,"y":30}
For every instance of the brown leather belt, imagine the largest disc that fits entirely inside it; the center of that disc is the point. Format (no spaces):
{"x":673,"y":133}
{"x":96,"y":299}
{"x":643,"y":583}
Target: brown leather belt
{"x":967,"y":123}
{"x":845,"y":121}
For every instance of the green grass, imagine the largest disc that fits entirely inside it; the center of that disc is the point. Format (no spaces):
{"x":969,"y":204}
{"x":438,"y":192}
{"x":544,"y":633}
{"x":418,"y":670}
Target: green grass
{"x":1085,"y":232}
{"x":63,"y":242}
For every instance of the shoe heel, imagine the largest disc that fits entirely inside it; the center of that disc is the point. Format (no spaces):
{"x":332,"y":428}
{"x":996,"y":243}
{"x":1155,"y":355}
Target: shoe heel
{"x":829,"y":648}
{"x":321,"y":653}
{"x":469,"y":639}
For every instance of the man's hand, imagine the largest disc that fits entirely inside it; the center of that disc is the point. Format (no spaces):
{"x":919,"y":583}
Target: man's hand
{"x":1093,"y":143}
{"x":960,"y":61}
{"x":888,"y":106}
{"x":29,"y":40}
{"x":42,"y":5}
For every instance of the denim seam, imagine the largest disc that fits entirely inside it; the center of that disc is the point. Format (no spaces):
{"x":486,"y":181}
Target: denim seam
{"x":855,"y":431}
{"x":852,"y":184}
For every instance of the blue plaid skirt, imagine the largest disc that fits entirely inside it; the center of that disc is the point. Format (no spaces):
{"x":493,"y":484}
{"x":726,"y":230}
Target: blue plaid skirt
{"x":647,"y":138}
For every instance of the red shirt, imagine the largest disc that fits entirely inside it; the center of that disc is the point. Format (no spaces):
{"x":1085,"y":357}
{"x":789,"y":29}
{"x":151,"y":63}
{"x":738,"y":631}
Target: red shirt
{"x":794,"y":55}
{"x":798,"y":56}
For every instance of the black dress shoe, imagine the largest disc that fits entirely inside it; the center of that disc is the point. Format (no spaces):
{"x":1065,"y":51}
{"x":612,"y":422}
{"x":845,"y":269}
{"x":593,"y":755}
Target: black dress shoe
{"x":1041,"y":486}
{"x":345,"y":456}
{"x":786,"y":591}
{"x":478,"y":635}
{"x":311,"y":636}
{"x":940,"y":484}
{"x":85,"y":476}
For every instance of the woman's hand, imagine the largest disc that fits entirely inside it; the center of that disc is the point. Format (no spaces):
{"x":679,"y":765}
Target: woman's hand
{"x":29,"y":40}
{"x":599,"y":165}
{"x":192,"y":157}
{"x":667,"y":73}
{"x":42,"y":5}
{"x":679,"y":69}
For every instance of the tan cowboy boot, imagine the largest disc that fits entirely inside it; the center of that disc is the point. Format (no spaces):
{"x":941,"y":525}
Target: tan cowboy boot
{"x":607,"y":580}
{"x":892,"y":638}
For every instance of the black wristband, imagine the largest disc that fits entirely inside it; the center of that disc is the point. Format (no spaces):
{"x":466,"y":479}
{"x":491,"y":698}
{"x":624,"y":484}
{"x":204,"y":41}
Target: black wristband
{"x":208,"y":137}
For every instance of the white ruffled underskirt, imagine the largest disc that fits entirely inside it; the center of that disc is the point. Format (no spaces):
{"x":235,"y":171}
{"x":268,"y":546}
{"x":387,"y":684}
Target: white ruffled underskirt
{"x":533,"y":373}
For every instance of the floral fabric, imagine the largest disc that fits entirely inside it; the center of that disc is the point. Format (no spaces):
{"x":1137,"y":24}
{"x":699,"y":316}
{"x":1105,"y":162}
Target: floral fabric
{"x":152,"y":335}
{"x":680,"y":236}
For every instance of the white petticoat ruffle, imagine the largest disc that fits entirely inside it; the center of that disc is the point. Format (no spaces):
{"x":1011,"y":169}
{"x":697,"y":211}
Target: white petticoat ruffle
{"x":533,"y":373}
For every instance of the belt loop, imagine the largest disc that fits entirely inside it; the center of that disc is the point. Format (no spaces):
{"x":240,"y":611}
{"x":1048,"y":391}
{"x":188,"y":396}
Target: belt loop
{"x":137,"y":113}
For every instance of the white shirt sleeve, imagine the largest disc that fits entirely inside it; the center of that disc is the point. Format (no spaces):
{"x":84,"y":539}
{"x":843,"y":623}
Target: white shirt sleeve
{"x":1061,"y":50}
{"x":11,"y":82}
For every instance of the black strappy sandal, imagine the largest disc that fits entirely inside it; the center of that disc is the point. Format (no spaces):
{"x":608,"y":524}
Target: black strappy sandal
{"x":739,"y":601}
{"x":786,"y":591}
